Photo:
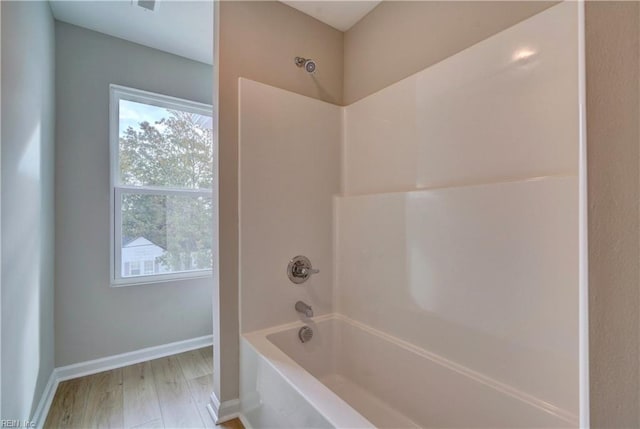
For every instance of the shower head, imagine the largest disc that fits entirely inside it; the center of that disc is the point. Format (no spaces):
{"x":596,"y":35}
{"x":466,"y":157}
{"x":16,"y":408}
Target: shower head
{"x":308,"y":64}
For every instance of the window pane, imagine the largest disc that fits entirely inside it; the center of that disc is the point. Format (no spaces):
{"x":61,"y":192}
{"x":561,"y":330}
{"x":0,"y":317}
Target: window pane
{"x":165,"y":234}
{"x":164,"y":147}
{"x":135,"y":268}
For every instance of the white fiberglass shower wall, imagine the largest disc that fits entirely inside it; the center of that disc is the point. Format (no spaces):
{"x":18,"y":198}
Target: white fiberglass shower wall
{"x":451,"y":293}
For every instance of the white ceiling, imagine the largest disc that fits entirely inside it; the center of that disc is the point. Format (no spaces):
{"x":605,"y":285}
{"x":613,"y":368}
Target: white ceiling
{"x":185,"y":27}
{"x":180,"y":27}
{"x":338,"y":14}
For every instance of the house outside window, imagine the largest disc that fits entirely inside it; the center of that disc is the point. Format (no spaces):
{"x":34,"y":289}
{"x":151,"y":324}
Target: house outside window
{"x":162,"y":157}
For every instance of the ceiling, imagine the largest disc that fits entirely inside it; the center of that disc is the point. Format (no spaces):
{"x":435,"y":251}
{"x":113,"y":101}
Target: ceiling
{"x":185,"y":27}
{"x":180,"y":27}
{"x":341,"y":15}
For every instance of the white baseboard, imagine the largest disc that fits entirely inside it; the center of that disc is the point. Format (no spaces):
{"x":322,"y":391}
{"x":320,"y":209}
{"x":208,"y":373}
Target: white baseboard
{"x":225,"y":411}
{"x":110,"y":362}
{"x":40,"y":415}
{"x":244,"y":421}
{"x":118,"y":361}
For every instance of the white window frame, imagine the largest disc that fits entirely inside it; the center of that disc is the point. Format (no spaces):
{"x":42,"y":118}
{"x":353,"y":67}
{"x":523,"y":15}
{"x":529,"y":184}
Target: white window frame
{"x":117,"y":93}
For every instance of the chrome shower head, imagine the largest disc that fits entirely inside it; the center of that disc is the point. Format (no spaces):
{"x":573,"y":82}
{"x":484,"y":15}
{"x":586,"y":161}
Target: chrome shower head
{"x":308,"y":64}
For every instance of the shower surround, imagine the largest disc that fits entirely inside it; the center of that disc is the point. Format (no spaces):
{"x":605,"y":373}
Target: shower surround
{"x":444,"y":215}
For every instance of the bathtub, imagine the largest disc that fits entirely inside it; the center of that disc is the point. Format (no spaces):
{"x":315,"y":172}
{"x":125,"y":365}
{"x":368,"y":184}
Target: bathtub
{"x":352,"y":376}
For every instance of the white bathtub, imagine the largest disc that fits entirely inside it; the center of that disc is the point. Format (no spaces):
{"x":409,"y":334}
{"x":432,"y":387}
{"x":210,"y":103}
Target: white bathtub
{"x":350,"y":375}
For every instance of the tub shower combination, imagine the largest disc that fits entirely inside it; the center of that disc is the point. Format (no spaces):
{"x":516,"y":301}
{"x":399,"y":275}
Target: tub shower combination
{"x":437,"y":226}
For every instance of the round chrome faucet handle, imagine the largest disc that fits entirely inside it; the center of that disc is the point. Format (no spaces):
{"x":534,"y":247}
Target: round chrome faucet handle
{"x":300,"y":269}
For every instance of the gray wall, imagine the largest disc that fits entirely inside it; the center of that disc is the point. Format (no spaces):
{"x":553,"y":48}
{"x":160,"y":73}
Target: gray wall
{"x":27,"y":205}
{"x":613,"y":155}
{"x":93,"y":319}
{"x":259,"y":40}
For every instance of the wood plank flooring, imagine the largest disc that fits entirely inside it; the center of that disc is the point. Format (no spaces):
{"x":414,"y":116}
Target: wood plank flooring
{"x":170,"y":392}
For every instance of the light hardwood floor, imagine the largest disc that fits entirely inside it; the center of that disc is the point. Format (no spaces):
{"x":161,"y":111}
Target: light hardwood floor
{"x":170,"y":392}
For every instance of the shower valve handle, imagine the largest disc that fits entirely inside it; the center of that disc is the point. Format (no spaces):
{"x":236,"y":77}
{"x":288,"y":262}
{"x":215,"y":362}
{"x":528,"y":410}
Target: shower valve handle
{"x":300,"y":269}
{"x":308,"y":271}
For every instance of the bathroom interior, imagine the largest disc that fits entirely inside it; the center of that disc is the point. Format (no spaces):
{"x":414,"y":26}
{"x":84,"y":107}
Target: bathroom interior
{"x":421,"y":214}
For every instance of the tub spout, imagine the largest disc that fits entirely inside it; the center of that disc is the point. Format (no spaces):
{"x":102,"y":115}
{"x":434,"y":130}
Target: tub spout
{"x":303,"y":308}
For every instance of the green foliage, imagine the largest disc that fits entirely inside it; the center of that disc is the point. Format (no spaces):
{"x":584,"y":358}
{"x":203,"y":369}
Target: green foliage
{"x":175,"y":152}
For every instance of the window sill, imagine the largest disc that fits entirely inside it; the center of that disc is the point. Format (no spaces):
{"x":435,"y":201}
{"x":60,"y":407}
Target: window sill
{"x":149,"y":280}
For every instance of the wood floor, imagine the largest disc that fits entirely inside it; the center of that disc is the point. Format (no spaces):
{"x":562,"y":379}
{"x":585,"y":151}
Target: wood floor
{"x":170,"y":392}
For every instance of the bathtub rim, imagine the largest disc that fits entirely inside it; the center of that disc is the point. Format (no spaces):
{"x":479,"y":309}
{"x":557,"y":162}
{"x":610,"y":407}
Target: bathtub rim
{"x":293,"y":372}
{"x":331,"y":406}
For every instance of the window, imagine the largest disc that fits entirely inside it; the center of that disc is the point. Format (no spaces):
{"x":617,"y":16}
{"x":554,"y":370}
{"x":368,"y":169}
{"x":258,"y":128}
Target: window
{"x":162,"y":177}
{"x":135,"y":268}
{"x":148,"y":267}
